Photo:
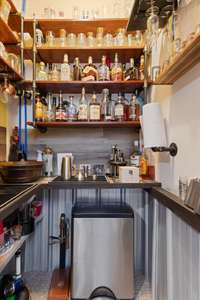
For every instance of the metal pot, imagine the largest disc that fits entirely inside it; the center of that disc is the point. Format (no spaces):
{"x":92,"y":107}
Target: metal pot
{"x":21,"y":171}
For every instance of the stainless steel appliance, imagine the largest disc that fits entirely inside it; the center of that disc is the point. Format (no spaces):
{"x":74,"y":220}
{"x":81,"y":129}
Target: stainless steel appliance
{"x":102,"y":251}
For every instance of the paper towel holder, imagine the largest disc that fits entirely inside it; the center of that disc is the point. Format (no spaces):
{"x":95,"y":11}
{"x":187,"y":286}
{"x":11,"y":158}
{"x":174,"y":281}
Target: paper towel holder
{"x":172,"y":149}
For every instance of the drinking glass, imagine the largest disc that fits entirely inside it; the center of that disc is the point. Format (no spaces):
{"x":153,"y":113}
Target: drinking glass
{"x":108,"y":40}
{"x":90,"y":39}
{"x":71,"y":40}
{"x":81,"y":40}
{"x":75,"y":13}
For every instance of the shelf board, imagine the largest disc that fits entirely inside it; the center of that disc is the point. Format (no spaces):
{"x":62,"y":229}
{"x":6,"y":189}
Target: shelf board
{"x":102,"y":124}
{"x":182,"y":63}
{"x":75,"y":26}
{"x":6,"y":68}
{"x":90,"y":86}
{"x":7,"y":36}
{"x":13,"y":6}
{"x":6,"y":258}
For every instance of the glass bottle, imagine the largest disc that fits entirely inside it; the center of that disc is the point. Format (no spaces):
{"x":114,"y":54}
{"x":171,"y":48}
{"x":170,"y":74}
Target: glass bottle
{"x":63,"y":39}
{"x":99,"y":36}
{"x":104,"y":71}
{"x":126,"y":104}
{"x":50,"y":69}
{"x":135,"y":156}
{"x":116,"y":70}
{"x":143,"y":163}
{"x":83,"y":107}
{"x":50,"y":111}
{"x":54,"y":107}
{"x":90,"y":39}
{"x":60,"y":110}
{"x":94,"y":109}
{"x":132,"y":72}
{"x":71,"y":110}
{"x":90,"y":71}
{"x":141,"y":68}
{"x":106,"y":111}
{"x":42,"y":74}
{"x":119,"y":109}
{"x":44,"y":109}
{"x":77,"y":70}
{"x":132,"y":108}
{"x":65,"y":72}
{"x":55,"y":73}
{"x":38,"y":109}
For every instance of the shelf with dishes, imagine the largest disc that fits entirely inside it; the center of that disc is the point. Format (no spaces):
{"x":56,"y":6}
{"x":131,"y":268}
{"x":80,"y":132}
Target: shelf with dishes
{"x":75,"y":87}
{"x":182,"y":62}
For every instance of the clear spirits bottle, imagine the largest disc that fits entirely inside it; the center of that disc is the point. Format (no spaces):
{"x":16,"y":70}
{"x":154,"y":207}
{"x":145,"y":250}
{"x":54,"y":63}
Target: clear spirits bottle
{"x":50,"y":110}
{"x":132,"y":108}
{"x":83,"y":107}
{"x":94,"y":109}
{"x":55,"y":73}
{"x":106,"y":111}
{"x":77,"y":70}
{"x":71,"y":110}
{"x":50,"y":69}
{"x":132,"y":72}
{"x":116,"y":70}
{"x":38,"y":109}
{"x":42,"y":74}
{"x":119,"y":109}
{"x":104,"y":71}
{"x":90,"y":71}
{"x":65,"y":69}
{"x":60,"y":110}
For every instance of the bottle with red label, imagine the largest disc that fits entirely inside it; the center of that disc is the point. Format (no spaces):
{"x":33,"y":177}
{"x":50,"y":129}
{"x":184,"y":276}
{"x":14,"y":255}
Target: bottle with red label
{"x":60,"y":110}
{"x":116,"y":70}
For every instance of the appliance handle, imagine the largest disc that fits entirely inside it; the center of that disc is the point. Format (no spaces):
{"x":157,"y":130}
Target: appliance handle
{"x":102,"y":291}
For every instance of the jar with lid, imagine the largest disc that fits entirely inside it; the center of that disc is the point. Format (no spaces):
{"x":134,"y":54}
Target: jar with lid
{"x":62,"y":37}
{"x":50,"y":38}
{"x":90,"y":39}
{"x":99,"y":36}
{"x":71,"y":40}
{"x":81,"y":40}
{"x":121,"y":37}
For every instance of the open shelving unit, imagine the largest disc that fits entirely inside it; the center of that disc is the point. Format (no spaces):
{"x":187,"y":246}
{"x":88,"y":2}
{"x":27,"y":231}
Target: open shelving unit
{"x":182,"y":63}
{"x":7,"y":68}
{"x":7,"y":35}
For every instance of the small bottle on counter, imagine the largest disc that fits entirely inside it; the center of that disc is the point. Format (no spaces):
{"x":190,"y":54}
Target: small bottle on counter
{"x":143,"y":164}
{"x":94,"y":109}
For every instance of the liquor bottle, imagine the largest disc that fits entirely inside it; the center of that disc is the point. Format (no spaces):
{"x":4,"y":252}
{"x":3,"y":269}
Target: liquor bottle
{"x":42,"y":74}
{"x":55,"y":73}
{"x":143,"y":163}
{"x":104,"y":71}
{"x":119,"y":109}
{"x":94,"y":109}
{"x":65,"y":69}
{"x":44,"y":109}
{"x":141,"y":68}
{"x":132,"y":72}
{"x":60,"y":110}
{"x":106,"y":106}
{"x":50,"y":110}
{"x":38,"y":109}
{"x":50,"y":70}
{"x":132,"y":108}
{"x":126,"y":103}
{"x":139,"y":103}
{"x":83,"y":107}
{"x":77,"y":70}
{"x":116,"y":70}
{"x":90,"y":71}
{"x":71,"y":110}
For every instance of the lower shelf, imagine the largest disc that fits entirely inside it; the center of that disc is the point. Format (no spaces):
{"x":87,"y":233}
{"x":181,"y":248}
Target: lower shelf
{"x":112,"y":124}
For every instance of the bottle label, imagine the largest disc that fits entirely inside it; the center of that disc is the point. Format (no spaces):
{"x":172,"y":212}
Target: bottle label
{"x":94,"y":112}
{"x":60,"y":116}
{"x":83,"y":112}
{"x":119,"y":111}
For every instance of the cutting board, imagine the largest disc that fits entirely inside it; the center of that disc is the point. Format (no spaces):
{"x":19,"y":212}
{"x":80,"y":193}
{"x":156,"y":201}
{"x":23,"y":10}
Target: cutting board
{"x":2,"y":143}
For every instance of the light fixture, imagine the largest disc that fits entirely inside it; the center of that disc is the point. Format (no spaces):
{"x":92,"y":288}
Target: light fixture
{"x":154,"y":131}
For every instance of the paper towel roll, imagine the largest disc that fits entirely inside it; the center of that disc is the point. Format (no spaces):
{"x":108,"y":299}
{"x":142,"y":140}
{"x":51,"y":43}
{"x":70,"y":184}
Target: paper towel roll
{"x":153,"y":126}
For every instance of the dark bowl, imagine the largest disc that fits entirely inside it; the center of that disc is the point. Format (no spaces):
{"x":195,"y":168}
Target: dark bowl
{"x":21,"y":171}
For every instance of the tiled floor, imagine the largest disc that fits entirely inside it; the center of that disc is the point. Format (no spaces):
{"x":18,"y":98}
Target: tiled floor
{"x":38,"y":283}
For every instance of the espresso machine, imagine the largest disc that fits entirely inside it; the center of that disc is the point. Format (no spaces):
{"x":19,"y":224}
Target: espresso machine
{"x":116,"y":160}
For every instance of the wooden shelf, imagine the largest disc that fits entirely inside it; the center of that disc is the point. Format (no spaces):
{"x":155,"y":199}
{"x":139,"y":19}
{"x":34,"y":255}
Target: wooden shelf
{"x":13,"y":7}
{"x":6,"y":68}
{"x":182,"y":63}
{"x":56,"y":54}
{"x":7,"y":36}
{"x":75,"y":26}
{"x":90,"y":86}
{"x":6,"y":258}
{"x":112,"y":124}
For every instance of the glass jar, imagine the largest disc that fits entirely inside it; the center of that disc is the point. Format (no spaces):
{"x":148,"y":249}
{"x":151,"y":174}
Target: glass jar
{"x":138,"y":38}
{"x":81,"y":40}
{"x":99,"y":36}
{"x":62,"y":39}
{"x":71,"y":40}
{"x":121,"y":37}
{"x":39,"y":38}
{"x":108,"y":40}
{"x":50,"y":38}
{"x":90,"y":39}
{"x":130,"y":40}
